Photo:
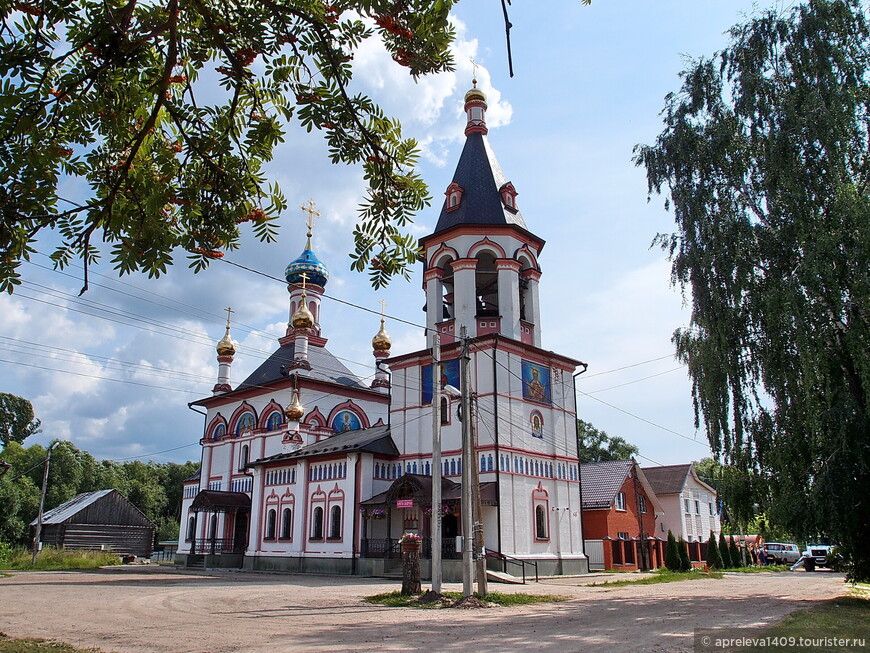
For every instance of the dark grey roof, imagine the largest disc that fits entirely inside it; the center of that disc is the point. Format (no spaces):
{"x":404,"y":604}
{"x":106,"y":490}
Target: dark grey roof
{"x":480,"y":177}
{"x":601,"y":481}
{"x":69,"y":508}
{"x":667,"y":479}
{"x":194,"y":477}
{"x":376,"y":439}
{"x":324,"y":367}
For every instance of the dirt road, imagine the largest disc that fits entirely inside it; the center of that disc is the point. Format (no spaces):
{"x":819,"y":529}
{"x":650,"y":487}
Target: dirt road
{"x":134,"y":610}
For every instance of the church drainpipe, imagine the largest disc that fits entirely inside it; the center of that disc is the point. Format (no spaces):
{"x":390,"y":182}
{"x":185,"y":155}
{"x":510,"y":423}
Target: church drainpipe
{"x":354,"y":547}
{"x":579,"y":465}
{"x":497,"y":450}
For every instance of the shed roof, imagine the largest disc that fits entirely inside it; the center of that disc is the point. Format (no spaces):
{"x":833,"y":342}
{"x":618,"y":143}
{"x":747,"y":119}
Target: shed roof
{"x":70,"y":508}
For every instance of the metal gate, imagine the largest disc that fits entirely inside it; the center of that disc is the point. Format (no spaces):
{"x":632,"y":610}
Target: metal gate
{"x":595,"y":551}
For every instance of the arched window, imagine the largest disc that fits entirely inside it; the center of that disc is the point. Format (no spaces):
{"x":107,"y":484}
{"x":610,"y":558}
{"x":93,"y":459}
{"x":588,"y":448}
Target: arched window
{"x":286,"y":522}
{"x":244,"y":457}
{"x":246,"y":423}
{"x":219,"y":431}
{"x":191,"y":528}
{"x":445,"y":411}
{"x":489,"y":462}
{"x":271,"y":518}
{"x":486,"y":285}
{"x":317,"y":524}
{"x":540,"y":523}
{"x":335,"y":523}
{"x":274,"y":421}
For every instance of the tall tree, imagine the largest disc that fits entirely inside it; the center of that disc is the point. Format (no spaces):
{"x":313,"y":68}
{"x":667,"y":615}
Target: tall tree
{"x":162,"y":115}
{"x":596,"y":446}
{"x":17,"y":421}
{"x":766,"y":162}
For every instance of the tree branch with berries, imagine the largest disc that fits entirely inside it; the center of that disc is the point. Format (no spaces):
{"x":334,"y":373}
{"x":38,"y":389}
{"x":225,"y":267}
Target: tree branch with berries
{"x":104,"y":96}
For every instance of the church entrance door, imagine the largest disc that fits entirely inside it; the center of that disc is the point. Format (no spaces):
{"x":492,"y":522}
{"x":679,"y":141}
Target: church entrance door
{"x":240,"y":532}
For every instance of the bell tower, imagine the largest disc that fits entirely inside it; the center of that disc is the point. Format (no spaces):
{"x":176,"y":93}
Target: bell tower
{"x":481,"y":265}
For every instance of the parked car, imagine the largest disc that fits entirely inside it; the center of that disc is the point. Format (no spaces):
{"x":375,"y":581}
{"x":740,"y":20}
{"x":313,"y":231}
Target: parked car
{"x":779,"y":553}
{"x":819,"y":554}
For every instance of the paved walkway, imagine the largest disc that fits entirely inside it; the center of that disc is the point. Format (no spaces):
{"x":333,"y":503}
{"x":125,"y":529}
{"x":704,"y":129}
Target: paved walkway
{"x":137,"y":610}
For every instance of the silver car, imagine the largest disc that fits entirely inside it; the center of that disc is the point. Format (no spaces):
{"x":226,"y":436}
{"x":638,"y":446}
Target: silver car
{"x":779,"y":553}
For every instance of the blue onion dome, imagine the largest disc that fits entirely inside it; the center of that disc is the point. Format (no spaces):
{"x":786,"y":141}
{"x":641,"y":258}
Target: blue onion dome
{"x":306,"y":263}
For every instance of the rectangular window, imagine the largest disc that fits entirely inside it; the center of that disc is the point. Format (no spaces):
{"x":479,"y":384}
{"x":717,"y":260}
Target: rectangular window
{"x":688,"y":509}
{"x":641,"y":501}
{"x":711,"y":509}
{"x":697,"y":507}
{"x":620,"y":501}
{"x":622,"y":535}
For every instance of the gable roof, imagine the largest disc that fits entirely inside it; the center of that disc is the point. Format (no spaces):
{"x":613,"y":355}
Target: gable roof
{"x":601,"y":481}
{"x":667,"y":479}
{"x":480,"y":177}
{"x":324,"y":367}
{"x":376,"y":439}
{"x":80,"y":502}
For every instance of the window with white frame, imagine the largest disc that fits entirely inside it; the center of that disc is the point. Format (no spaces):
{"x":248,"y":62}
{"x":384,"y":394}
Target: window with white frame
{"x":641,"y":502}
{"x":619,"y":504}
{"x":688,"y":505}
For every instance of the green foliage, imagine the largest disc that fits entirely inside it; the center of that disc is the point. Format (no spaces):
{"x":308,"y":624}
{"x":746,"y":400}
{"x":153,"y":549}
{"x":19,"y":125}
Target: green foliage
{"x":36,"y":645}
{"x":596,"y":446}
{"x":154,"y":488}
{"x":117,"y":100}
{"x":673,"y":561}
{"x":51,"y":559}
{"x":725,"y":553}
{"x":661,"y":576}
{"x":17,"y":421}
{"x":765,"y":159}
{"x":683,"y":551}
{"x":714,"y":560}
{"x":736,"y":555}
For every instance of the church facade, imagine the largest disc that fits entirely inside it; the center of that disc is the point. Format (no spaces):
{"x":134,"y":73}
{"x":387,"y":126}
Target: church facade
{"x":307,"y":468}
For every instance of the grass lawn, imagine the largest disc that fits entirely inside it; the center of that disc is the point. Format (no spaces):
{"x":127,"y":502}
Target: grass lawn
{"x":50,"y":559}
{"x":10,"y":645}
{"x":399,"y":600}
{"x":846,"y":617}
{"x":759,"y":570}
{"x":660,"y":576}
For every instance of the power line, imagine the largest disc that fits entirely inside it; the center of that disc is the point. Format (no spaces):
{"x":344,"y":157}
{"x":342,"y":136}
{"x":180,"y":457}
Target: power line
{"x":626,"y":367}
{"x":646,"y":378}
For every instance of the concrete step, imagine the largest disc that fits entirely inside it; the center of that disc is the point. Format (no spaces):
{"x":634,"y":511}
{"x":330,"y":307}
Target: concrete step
{"x":502,"y":577}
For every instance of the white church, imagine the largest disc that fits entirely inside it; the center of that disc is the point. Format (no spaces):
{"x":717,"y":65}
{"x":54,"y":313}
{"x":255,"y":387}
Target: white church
{"x":306,"y":468}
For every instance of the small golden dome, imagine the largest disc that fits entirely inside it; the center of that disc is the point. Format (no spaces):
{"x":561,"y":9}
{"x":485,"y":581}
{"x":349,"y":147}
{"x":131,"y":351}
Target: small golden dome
{"x":302,"y":318}
{"x":295,"y":410}
{"x":226,"y":346}
{"x":475,"y":94}
{"x":381,"y":341}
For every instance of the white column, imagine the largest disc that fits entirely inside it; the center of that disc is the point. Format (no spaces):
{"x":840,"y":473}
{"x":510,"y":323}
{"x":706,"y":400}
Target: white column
{"x":533,"y":306}
{"x":434,"y":292}
{"x":464,"y":291}
{"x":509,"y":297}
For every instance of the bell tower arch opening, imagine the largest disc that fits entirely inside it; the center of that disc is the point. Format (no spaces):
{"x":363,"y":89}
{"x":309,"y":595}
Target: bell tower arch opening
{"x":486,"y":285}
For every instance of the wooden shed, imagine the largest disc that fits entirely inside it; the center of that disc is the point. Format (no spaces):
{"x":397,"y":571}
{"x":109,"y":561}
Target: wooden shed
{"x":98,"y":520}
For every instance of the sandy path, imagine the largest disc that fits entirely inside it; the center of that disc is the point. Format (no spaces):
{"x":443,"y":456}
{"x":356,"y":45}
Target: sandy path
{"x":132,"y":610}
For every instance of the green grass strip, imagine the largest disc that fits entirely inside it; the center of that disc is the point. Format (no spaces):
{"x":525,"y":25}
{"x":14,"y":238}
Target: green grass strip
{"x":660,"y":576}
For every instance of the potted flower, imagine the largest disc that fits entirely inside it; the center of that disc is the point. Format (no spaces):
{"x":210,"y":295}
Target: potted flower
{"x":379,"y":513}
{"x":410,"y":542}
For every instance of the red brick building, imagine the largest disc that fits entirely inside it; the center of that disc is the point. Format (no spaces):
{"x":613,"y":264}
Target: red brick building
{"x":619,"y":516}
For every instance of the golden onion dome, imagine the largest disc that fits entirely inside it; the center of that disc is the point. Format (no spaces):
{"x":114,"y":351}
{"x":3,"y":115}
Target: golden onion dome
{"x":475,"y":94}
{"x":302,"y":318}
{"x":382,"y":341}
{"x":295,"y":410}
{"x":226,"y":346}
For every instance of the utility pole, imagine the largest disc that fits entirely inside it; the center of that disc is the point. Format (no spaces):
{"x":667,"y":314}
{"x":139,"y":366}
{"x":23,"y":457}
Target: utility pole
{"x":480,"y":556}
{"x":435,"y":529}
{"x":37,"y":533}
{"x":467,"y":462}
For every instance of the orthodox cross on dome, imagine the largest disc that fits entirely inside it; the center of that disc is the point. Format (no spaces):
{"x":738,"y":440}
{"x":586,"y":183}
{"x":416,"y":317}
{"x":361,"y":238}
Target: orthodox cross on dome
{"x":474,"y":78}
{"x":229,"y":312}
{"x":313,"y":213}
{"x":383,"y":304}
{"x":304,"y":277}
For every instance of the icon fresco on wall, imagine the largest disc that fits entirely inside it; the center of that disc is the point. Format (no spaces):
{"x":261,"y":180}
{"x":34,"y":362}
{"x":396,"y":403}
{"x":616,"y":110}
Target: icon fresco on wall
{"x":346,"y":421}
{"x":449,"y":376}
{"x":537,"y":421}
{"x":536,"y":382}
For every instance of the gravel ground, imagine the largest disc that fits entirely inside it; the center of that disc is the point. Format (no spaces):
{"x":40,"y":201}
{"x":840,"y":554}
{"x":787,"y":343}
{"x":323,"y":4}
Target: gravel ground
{"x":157,"y":609}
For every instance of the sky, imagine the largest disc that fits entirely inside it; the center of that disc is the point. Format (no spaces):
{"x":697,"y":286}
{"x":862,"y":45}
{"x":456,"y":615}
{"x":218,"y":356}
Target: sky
{"x":114,"y":370}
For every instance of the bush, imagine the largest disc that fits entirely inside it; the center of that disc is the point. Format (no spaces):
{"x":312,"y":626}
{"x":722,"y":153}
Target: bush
{"x":685,"y":562}
{"x":672,"y":554}
{"x":714,"y":560}
{"x":736,"y":556}
{"x":725,"y":553}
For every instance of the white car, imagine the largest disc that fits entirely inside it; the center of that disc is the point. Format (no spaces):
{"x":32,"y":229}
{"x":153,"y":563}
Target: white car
{"x":779,"y":553}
